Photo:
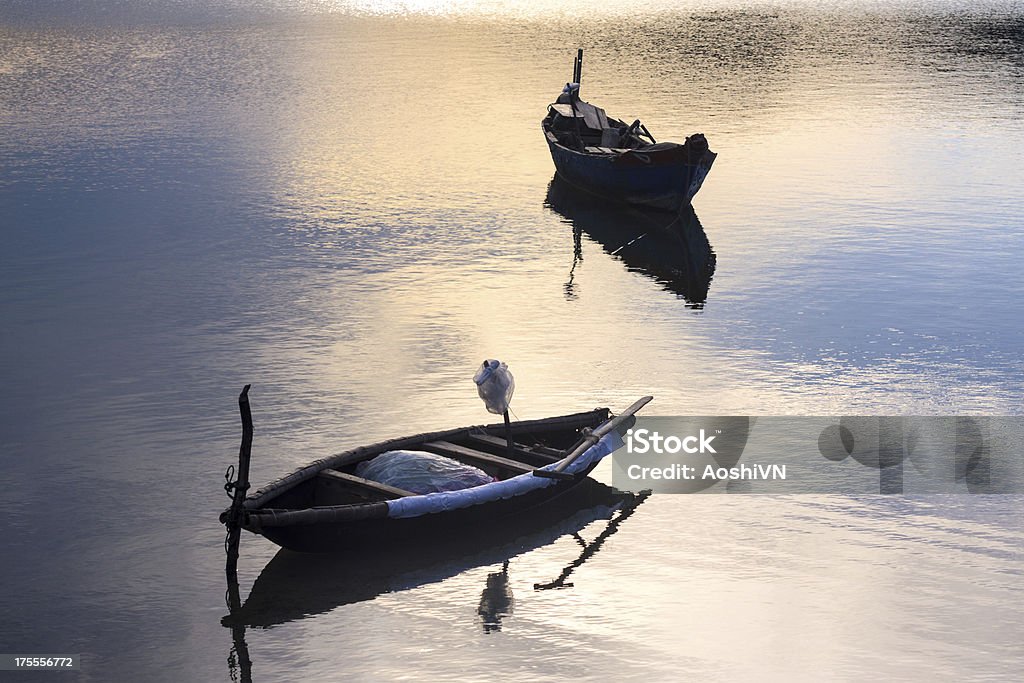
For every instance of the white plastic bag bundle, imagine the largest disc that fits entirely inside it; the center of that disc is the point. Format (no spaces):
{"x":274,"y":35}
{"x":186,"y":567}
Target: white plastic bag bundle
{"x":421,"y":472}
{"x":495,"y":384}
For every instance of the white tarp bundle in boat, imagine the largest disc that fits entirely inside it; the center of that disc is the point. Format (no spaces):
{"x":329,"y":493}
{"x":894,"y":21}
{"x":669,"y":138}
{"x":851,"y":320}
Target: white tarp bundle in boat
{"x":421,"y":472}
{"x":414,"y":506}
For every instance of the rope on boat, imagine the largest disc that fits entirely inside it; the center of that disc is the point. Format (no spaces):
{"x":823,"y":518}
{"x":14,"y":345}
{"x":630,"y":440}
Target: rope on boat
{"x":231,"y":486}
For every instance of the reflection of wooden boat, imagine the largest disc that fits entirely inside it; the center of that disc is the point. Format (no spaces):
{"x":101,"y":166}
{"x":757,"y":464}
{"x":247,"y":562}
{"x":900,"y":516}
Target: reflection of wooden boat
{"x":673,"y":249}
{"x":298,"y":585}
{"x":326,"y":507}
{"x":605,"y":156}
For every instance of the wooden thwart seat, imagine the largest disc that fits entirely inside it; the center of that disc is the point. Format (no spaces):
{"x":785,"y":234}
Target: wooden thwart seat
{"x":385,"y":490}
{"x":545,"y":454}
{"x":464,"y":454}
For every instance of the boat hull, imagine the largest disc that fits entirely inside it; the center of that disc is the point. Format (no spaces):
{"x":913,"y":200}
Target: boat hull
{"x":347,"y":535}
{"x":297,"y":513}
{"x":664,"y":179}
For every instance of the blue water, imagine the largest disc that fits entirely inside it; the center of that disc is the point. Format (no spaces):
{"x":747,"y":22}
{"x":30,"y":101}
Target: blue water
{"x":347,"y":205}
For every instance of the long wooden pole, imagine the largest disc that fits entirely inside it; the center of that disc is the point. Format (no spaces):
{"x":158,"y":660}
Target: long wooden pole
{"x":593,"y":437}
{"x":241,"y":485}
{"x":576,"y":66}
{"x":239,"y":655}
{"x":508,"y":436}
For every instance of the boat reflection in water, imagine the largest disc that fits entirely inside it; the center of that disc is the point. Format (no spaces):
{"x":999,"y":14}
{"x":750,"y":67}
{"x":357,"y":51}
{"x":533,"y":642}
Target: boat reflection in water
{"x":670,"y":248}
{"x":296,"y":586}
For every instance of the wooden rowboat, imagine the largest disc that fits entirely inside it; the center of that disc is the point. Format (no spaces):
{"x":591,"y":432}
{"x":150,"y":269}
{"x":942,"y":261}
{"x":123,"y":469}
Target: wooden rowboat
{"x":607,"y":157}
{"x":326,"y":507}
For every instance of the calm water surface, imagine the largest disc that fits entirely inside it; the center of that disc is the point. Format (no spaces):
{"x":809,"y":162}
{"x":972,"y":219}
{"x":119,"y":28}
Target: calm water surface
{"x":349,"y":205}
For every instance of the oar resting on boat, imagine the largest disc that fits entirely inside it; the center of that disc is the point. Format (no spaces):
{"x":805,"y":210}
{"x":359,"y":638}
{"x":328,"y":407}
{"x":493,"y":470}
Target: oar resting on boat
{"x":558,"y":470}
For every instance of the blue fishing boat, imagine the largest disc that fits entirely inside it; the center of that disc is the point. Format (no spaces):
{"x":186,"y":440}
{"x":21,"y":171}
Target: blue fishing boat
{"x":605,"y":156}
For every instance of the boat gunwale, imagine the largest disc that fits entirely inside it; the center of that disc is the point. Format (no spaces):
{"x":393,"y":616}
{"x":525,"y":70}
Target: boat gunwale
{"x":258,"y":520}
{"x":658,"y":157}
{"x":666,"y":155}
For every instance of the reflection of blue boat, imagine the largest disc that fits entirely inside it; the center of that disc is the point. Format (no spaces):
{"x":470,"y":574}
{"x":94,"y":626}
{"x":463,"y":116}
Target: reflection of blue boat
{"x":605,"y":156}
{"x":673,"y":249}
